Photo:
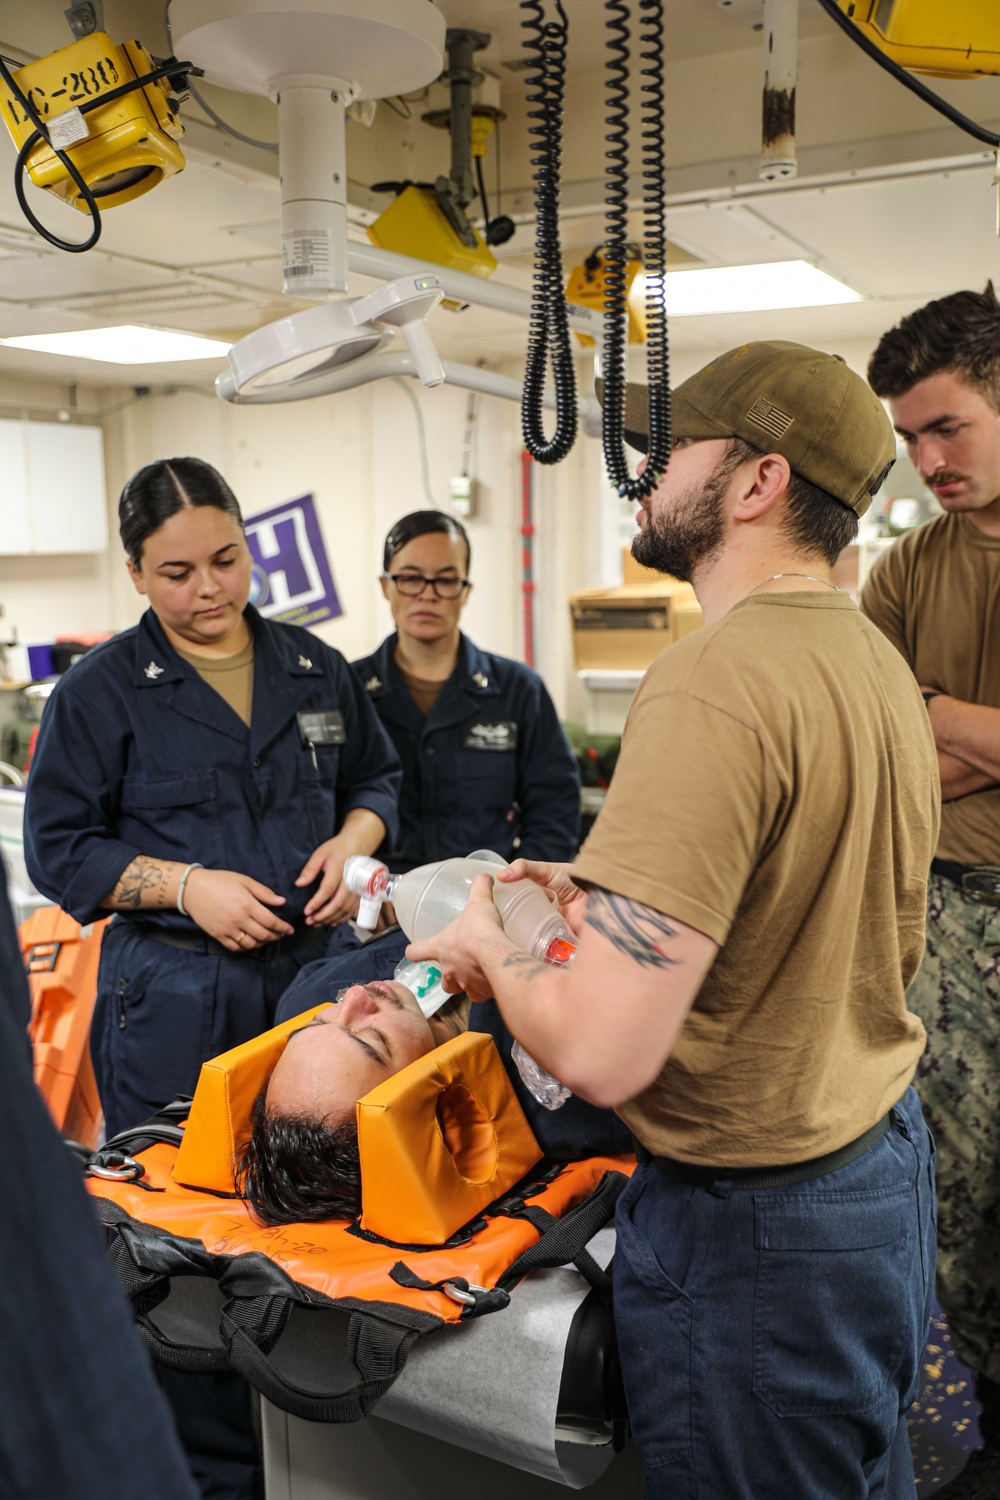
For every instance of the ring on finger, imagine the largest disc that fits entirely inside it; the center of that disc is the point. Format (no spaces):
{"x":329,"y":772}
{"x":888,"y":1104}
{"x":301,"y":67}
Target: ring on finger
{"x":240,"y":936}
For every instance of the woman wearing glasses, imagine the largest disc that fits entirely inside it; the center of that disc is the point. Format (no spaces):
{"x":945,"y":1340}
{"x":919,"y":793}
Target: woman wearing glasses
{"x":485,"y":762}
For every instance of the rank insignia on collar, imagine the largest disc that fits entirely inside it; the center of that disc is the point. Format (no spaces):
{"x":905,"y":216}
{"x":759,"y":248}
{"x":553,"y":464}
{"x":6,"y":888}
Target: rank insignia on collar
{"x":153,"y":671}
{"x":305,"y":662}
{"x":373,"y":684}
{"x":480,"y":679}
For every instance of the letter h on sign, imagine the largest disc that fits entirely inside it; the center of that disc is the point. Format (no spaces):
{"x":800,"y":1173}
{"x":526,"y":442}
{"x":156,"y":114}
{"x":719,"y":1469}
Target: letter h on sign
{"x":292,"y":579}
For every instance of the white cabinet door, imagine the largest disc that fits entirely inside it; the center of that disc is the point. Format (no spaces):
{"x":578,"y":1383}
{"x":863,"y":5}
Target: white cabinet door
{"x":68,"y":498}
{"x":16,"y":532}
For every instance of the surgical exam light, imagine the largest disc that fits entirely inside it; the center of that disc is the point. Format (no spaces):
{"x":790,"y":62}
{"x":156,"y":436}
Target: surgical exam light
{"x":297,"y":350}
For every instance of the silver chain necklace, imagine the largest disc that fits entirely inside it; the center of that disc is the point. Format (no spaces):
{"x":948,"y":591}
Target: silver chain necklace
{"x":807,"y":576}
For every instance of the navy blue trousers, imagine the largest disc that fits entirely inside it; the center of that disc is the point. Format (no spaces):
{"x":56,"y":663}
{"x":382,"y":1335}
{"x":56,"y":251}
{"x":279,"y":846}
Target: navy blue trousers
{"x":161,"y":1012}
{"x":771,"y":1340}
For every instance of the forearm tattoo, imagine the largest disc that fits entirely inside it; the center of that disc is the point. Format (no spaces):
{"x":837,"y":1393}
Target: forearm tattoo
{"x":530,"y":967}
{"x":142,"y":883}
{"x":635,"y":930}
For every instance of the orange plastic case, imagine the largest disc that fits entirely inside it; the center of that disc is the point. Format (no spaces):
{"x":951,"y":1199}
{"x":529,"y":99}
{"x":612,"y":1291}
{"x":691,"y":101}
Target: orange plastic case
{"x":444,"y":1149}
{"x":61,"y":959}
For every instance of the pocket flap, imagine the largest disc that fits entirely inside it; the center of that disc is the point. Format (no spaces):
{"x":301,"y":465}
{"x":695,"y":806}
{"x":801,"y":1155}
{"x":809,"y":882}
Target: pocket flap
{"x":863,"y":1220}
{"x":168,"y":791}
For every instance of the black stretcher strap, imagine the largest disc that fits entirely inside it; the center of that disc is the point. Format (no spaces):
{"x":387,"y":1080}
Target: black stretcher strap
{"x":377,"y":1349}
{"x":565,"y":1241}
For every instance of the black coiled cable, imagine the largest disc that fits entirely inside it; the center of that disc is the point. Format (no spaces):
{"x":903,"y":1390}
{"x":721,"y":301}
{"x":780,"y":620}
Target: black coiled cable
{"x":548,"y":332}
{"x":616,"y":248}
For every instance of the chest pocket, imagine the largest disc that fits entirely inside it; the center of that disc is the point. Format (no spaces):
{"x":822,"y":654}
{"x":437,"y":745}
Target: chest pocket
{"x":319,"y":767}
{"x":175,"y":817}
{"x":487,"y":763}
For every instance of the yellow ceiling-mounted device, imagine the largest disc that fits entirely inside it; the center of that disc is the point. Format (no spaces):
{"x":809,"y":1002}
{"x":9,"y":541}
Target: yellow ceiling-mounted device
{"x":122,"y":145}
{"x":415,"y":224}
{"x":957,"y":39}
{"x":587,"y":287}
{"x":428,"y":221}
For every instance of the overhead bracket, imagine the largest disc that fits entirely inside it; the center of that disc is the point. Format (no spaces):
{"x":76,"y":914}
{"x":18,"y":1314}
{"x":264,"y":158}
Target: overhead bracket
{"x":86,"y":18}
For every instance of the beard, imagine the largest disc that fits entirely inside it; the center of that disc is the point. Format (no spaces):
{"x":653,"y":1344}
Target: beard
{"x":682,"y":539}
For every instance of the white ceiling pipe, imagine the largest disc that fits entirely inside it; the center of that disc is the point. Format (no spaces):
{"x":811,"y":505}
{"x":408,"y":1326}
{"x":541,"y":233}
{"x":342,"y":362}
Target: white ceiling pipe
{"x":399,"y":362}
{"x":382,"y":265}
{"x":778,"y":160}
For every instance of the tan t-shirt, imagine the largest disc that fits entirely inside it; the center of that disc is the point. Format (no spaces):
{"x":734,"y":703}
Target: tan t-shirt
{"x":230,"y":676}
{"x":936,"y":596}
{"x":778,"y":790}
{"x":423,"y":690}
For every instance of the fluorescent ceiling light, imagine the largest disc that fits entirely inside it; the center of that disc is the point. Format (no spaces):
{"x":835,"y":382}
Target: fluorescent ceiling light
{"x":128,"y":345}
{"x":760,"y":288}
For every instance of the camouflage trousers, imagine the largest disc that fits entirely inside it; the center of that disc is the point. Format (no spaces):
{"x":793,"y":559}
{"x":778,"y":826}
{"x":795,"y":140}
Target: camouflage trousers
{"x":956,"y":993}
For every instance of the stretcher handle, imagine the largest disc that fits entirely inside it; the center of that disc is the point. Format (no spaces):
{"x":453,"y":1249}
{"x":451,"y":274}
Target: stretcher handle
{"x":378,"y":1350}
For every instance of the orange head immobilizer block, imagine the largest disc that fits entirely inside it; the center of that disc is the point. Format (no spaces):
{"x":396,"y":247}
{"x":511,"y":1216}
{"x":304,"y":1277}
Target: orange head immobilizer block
{"x":439,"y":1140}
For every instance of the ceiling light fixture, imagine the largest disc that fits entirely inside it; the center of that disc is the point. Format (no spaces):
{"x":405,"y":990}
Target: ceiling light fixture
{"x":129,"y":344}
{"x":300,"y":348}
{"x":759,"y":288}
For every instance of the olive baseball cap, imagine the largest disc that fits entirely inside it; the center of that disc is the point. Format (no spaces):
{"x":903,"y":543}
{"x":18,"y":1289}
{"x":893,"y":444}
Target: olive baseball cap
{"x":783,"y":398}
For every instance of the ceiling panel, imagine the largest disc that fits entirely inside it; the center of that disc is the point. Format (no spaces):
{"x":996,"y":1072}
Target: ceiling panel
{"x":919,"y":236}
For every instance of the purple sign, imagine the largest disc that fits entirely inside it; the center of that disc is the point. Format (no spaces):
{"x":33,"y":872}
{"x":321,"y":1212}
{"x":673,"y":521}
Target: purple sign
{"x":291,"y":575}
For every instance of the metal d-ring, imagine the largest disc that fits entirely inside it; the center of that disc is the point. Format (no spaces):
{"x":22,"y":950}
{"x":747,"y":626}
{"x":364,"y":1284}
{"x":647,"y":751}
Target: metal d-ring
{"x":130,"y":1170}
{"x":467,"y":1299}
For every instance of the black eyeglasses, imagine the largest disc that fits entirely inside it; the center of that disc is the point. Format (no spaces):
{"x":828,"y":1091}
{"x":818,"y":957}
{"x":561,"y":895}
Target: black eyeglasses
{"x":413,"y":584}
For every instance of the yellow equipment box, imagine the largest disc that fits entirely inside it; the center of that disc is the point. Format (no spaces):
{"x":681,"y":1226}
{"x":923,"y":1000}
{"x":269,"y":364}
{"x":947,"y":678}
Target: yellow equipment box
{"x":414,"y":224}
{"x":625,"y":629}
{"x":130,"y":141}
{"x":960,"y":39}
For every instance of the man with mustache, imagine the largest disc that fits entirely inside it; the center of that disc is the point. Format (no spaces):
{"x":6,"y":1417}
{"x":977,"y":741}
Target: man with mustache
{"x":936,"y":596}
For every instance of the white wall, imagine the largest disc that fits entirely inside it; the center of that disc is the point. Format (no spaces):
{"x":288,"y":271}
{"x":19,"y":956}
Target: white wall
{"x":47,"y":596}
{"x":358,"y":453}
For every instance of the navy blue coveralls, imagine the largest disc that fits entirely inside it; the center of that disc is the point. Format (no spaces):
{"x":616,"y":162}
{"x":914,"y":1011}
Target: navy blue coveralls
{"x":137,"y":755}
{"x":489,"y":765}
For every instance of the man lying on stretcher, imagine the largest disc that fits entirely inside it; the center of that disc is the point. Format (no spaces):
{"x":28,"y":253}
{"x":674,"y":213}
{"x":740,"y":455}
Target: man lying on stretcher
{"x":301,"y":1160}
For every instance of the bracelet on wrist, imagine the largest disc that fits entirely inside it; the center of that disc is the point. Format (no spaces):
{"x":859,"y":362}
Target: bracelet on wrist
{"x":934,"y":693}
{"x":180,"y":889}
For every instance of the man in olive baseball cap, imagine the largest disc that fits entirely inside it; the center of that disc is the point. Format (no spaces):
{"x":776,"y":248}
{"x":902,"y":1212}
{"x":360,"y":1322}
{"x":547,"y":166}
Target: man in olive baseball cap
{"x":750,"y":910}
{"x":784,"y":398}
{"x":774,"y":400}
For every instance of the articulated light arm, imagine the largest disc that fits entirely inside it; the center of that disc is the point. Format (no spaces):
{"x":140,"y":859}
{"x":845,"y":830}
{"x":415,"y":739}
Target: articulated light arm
{"x":393,"y":363}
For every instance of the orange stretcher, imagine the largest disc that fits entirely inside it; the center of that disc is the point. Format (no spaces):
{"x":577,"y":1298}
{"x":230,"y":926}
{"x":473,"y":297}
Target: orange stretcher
{"x":61,"y":960}
{"x":458,"y":1204}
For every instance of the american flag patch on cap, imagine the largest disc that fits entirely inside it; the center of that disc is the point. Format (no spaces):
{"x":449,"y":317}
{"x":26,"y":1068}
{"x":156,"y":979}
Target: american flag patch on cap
{"x":765,"y":414}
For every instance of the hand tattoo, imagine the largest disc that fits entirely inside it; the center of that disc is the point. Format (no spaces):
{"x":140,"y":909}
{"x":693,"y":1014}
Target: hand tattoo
{"x":635,"y":930}
{"x":143,"y":877}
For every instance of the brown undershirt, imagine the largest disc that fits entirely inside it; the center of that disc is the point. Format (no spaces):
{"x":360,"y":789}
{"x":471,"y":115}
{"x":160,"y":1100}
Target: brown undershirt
{"x":230,"y":676}
{"x":423,"y":690}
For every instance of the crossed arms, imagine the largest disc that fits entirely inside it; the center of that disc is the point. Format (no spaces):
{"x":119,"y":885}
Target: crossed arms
{"x":967,"y":736}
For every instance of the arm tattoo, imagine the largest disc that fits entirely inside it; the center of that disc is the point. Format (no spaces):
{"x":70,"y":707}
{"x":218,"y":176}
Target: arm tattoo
{"x":635,"y":930}
{"x":531,"y":967}
{"x":142,"y":883}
